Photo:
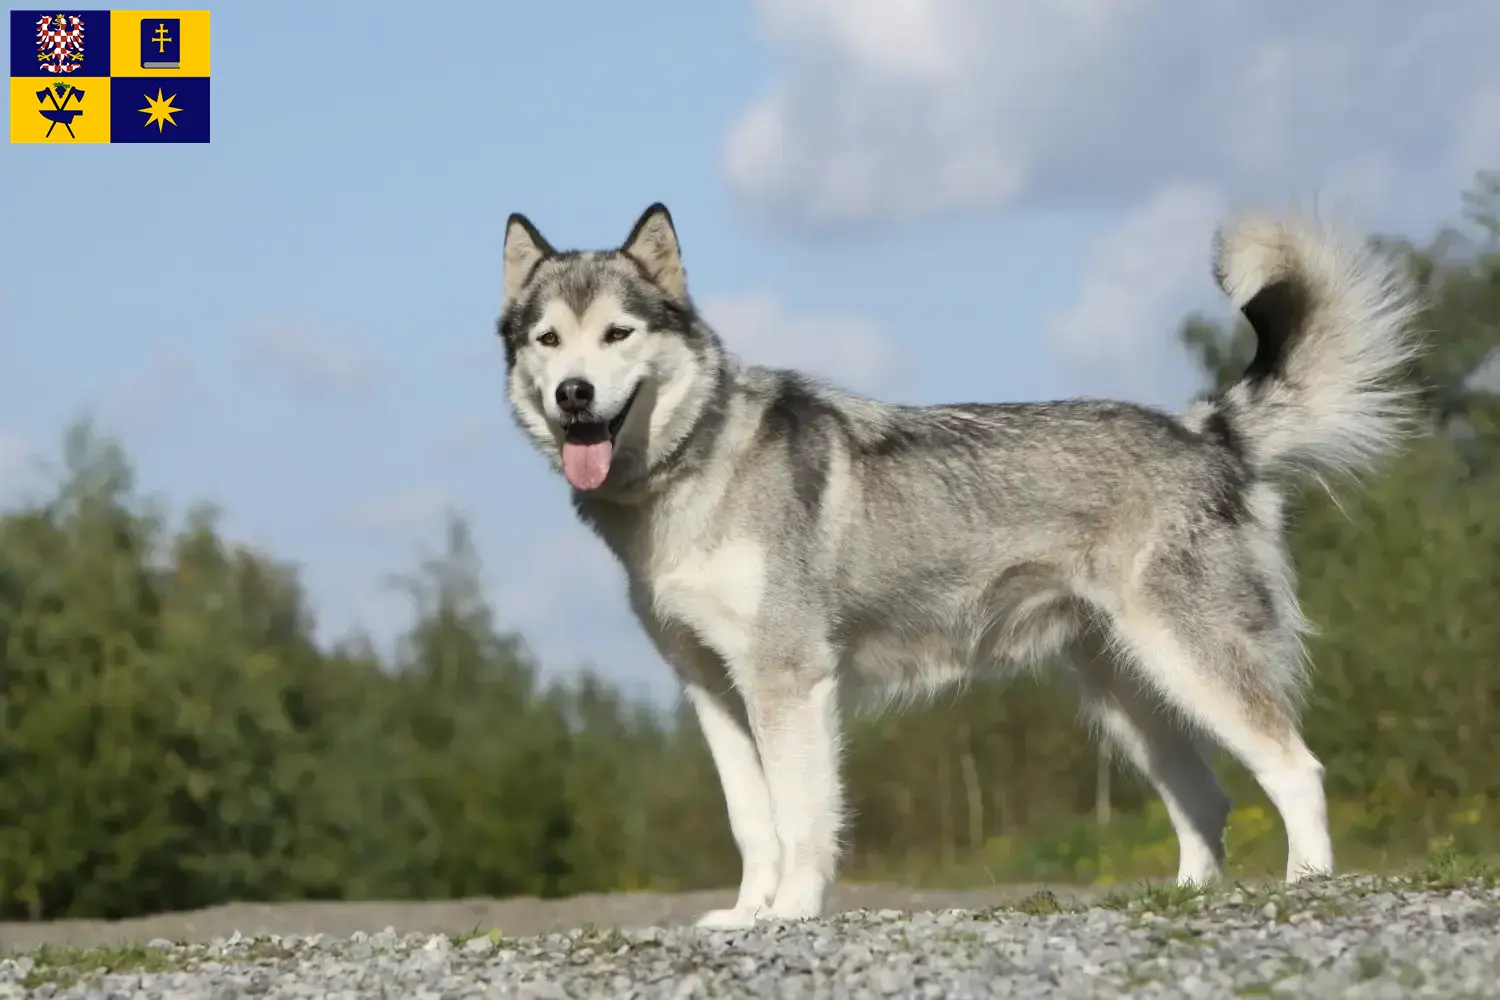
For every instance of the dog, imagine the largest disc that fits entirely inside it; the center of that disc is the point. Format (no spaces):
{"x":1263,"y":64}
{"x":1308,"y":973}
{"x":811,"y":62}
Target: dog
{"x":783,"y":539}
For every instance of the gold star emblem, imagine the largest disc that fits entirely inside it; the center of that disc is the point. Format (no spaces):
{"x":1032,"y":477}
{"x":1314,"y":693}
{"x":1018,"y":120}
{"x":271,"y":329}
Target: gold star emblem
{"x":160,"y":110}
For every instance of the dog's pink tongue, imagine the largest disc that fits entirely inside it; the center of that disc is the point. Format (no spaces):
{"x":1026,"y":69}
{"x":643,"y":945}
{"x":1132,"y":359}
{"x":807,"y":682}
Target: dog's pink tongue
{"x":586,"y":465}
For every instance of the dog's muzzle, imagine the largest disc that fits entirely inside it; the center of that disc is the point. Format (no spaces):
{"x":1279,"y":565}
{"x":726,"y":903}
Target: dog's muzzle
{"x":589,"y":444}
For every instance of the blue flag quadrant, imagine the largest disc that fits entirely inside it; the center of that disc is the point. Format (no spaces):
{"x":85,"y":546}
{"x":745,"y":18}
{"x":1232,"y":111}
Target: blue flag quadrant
{"x":159,"y":109}
{"x":59,"y":45}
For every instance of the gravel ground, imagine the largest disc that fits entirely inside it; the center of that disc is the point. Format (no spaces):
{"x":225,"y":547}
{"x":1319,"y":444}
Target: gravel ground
{"x":516,"y":917}
{"x":1353,"y":937}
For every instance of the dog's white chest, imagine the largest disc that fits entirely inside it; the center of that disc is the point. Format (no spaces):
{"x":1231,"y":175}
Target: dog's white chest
{"x":717,"y":593}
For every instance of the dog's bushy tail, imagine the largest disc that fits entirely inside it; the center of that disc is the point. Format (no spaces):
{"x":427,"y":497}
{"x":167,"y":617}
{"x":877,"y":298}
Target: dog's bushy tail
{"x":1334,"y":325}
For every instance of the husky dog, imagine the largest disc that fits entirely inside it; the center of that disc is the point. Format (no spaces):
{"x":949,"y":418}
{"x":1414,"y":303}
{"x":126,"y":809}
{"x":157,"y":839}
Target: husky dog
{"x":782,"y":538}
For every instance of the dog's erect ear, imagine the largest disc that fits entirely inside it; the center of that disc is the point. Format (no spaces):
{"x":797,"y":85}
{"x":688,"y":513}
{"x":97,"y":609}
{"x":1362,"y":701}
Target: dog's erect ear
{"x":653,"y":244}
{"x":524,"y":250}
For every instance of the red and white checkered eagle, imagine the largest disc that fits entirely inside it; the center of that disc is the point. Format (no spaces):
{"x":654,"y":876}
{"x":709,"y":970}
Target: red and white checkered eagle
{"x":59,"y":43}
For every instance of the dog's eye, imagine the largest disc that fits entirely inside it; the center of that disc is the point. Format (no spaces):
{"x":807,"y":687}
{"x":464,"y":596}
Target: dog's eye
{"x":548,"y":339}
{"x":615,"y":334}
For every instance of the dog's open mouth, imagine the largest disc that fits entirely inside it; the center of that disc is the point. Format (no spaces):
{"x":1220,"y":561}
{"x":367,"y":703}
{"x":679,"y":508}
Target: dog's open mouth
{"x":589,"y":447}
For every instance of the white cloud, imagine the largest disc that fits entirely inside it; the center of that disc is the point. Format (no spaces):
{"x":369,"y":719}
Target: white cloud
{"x":888,"y":110}
{"x":847,"y":350}
{"x":1136,"y":283}
{"x":314,"y":365}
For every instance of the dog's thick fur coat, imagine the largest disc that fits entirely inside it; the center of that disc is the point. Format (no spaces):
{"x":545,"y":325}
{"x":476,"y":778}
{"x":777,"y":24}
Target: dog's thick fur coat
{"x":783,"y":539}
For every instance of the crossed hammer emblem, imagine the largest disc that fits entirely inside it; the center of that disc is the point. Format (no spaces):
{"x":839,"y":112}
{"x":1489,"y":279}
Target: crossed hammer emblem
{"x":60,"y":113}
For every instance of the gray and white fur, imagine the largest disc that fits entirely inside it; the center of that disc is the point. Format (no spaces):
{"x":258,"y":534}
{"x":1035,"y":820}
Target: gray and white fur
{"x":784,"y":539}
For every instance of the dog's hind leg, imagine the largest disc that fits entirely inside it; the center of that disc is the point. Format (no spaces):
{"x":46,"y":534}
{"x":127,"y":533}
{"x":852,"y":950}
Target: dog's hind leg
{"x":1151,"y":736}
{"x":1228,"y":665}
{"x":746,"y":799}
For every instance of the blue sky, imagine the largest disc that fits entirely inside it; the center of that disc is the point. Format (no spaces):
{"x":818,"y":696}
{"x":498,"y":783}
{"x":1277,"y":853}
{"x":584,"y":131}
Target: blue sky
{"x":295,"y":320}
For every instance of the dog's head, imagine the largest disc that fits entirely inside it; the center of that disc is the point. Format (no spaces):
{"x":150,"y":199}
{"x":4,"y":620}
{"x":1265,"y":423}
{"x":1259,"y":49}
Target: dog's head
{"x":609,"y":365}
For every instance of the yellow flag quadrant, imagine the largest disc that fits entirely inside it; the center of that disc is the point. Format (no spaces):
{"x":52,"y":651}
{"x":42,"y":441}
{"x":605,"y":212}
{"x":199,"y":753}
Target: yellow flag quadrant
{"x":79,"y":113}
{"x":125,"y":42}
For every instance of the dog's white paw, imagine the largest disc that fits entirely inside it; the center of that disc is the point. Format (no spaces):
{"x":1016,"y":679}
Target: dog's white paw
{"x":792,"y":913}
{"x":796,"y":899}
{"x":727,"y":920}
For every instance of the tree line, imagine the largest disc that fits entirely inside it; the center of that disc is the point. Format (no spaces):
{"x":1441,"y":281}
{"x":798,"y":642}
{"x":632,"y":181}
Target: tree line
{"x":175,"y":736}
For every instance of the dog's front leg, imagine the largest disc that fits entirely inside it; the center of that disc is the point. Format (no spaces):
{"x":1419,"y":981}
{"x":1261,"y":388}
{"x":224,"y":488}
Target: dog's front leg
{"x":793,"y":708}
{"x":747,"y":801}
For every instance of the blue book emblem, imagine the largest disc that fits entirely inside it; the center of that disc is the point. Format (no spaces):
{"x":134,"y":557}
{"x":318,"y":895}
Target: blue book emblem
{"x":161,"y":43}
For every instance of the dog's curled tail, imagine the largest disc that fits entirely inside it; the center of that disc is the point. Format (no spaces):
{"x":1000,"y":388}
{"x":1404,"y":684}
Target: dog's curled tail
{"x":1334,"y":325}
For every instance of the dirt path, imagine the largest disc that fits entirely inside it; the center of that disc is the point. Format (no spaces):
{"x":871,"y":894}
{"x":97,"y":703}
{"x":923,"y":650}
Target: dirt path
{"x":512,"y":917}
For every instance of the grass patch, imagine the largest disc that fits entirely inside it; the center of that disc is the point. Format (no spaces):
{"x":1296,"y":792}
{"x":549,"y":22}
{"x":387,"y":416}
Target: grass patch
{"x":1158,"y":898}
{"x":1040,"y":904}
{"x":1449,"y":868}
{"x":1140,"y":845}
{"x":63,"y":966}
{"x":1318,"y":898}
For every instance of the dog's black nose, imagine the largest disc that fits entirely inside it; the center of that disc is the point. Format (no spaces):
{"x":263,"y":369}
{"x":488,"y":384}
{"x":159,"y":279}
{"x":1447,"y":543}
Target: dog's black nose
{"x":574,"y":395}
